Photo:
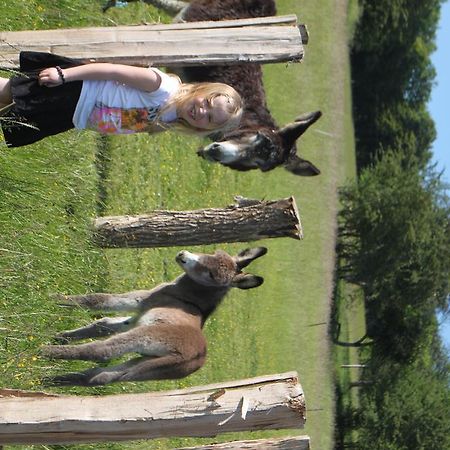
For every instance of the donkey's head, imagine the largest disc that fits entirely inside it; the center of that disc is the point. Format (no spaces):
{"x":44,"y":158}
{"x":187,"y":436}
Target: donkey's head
{"x":220,"y":269}
{"x":264,"y":149}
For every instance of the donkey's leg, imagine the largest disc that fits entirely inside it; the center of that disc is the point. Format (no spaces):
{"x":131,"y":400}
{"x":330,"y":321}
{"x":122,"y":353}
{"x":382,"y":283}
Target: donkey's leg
{"x":128,"y":301}
{"x":109,"y":4}
{"x":142,"y":340}
{"x":169,"y":352}
{"x":168,"y":367}
{"x":171,"y":7}
{"x":99,"y":328}
{"x":186,"y":353}
{"x":137,"y":369}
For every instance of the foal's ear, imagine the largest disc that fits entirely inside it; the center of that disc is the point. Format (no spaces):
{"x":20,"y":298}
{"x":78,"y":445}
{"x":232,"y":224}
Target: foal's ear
{"x":246,"y":281}
{"x":245,"y":257}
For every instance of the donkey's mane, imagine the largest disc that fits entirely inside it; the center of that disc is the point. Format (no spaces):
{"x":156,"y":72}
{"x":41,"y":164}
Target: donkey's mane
{"x":247,"y":79}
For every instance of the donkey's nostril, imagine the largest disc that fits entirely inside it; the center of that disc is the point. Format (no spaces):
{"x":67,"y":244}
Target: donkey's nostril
{"x":181,"y":257}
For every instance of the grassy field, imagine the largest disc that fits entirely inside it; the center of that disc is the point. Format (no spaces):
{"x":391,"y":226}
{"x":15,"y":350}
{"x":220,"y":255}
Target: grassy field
{"x":49,"y":193}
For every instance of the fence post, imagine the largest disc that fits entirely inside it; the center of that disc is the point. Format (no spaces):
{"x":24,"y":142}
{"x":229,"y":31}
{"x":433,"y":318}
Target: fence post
{"x":247,"y":220}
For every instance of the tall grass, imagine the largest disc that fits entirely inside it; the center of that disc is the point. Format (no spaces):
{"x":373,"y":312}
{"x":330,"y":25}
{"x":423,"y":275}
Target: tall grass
{"x":49,"y":193}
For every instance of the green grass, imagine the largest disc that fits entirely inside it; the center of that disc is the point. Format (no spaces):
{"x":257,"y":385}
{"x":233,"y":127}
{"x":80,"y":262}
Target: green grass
{"x":49,"y":192}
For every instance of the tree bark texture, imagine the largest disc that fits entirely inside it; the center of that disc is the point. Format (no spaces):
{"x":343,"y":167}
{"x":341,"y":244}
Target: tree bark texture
{"x":266,"y":402}
{"x":248,"y":220}
{"x":292,"y":443}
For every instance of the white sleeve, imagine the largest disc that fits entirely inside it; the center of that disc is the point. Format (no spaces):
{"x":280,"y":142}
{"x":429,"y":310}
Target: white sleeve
{"x":168,"y":86}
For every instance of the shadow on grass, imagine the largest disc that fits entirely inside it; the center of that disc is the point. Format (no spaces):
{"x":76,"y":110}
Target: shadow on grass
{"x":346,"y":408}
{"x":103,"y":165}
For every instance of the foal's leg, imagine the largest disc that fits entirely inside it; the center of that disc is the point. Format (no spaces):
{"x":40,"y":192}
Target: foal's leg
{"x":174,"y":365}
{"x":99,"y":328}
{"x":168,"y":352}
{"x":137,"y":369}
{"x":143,"y":340}
{"x":129,"y":301}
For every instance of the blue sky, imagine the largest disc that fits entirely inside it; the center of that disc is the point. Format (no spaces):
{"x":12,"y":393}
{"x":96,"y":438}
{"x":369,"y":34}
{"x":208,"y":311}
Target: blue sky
{"x":439,"y":108}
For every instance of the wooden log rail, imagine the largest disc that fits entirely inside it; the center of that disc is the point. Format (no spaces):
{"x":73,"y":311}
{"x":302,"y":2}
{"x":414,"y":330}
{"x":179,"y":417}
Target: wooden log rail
{"x":266,"y":402}
{"x":262,"y":40}
{"x":247,"y":220}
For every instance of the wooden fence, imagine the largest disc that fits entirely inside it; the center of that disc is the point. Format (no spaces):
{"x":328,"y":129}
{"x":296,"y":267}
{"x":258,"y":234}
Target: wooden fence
{"x":267,"y":39}
{"x":267,"y":402}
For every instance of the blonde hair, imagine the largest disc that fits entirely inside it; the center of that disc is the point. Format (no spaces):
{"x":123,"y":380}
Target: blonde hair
{"x":209,"y":91}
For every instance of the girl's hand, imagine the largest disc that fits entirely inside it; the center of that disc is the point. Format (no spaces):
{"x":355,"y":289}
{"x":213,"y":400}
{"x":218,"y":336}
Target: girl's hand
{"x":50,"y":77}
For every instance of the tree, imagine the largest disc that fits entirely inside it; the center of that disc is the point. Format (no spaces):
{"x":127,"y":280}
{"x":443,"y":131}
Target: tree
{"x":394,"y":235}
{"x":411,"y":411}
{"x":393,"y":74}
{"x":407,"y":129}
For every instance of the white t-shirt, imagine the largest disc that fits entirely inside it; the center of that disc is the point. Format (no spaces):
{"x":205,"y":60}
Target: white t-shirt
{"x":112,"y":107}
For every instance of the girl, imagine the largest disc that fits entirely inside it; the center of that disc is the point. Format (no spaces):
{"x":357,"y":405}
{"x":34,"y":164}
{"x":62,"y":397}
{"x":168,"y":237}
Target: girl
{"x":108,"y":98}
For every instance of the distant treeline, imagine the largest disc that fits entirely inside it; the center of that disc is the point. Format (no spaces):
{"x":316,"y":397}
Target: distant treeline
{"x":394,"y":232}
{"x":394,"y":243}
{"x":393,"y":77}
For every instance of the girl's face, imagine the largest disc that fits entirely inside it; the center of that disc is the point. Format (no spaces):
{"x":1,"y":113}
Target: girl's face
{"x":201,"y":113}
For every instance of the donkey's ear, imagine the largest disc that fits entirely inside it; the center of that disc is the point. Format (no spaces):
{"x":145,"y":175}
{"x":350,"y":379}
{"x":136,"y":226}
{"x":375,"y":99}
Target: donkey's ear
{"x":291,"y":132}
{"x":247,"y":281}
{"x":245,"y":257}
{"x":302,"y":167}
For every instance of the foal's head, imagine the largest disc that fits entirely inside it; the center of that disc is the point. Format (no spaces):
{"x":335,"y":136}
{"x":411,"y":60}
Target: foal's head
{"x":220,"y":269}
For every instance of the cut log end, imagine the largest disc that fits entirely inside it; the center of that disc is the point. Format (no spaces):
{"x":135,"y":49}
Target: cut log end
{"x":298,"y":232}
{"x":304,"y":34}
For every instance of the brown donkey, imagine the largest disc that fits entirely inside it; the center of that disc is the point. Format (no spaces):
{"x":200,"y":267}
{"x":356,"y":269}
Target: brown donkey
{"x":167,"y":327}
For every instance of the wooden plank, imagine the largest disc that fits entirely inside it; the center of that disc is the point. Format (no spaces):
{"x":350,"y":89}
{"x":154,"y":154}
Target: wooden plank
{"x":291,"y":443}
{"x":290,"y":19}
{"x":267,"y":402}
{"x":286,"y":20}
{"x":162,"y":44}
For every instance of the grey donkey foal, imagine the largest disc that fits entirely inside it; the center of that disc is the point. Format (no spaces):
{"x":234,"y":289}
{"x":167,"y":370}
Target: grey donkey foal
{"x":166,"y":329}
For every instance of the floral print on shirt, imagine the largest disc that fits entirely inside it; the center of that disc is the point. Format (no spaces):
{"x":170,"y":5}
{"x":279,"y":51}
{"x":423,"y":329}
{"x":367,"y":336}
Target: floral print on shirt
{"x":115,"y":120}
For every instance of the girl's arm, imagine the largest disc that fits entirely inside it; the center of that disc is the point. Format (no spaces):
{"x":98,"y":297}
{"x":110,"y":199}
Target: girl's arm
{"x":140,"y":78}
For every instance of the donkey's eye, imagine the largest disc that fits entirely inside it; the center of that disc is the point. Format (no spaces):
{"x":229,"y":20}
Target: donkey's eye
{"x":211,"y":275}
